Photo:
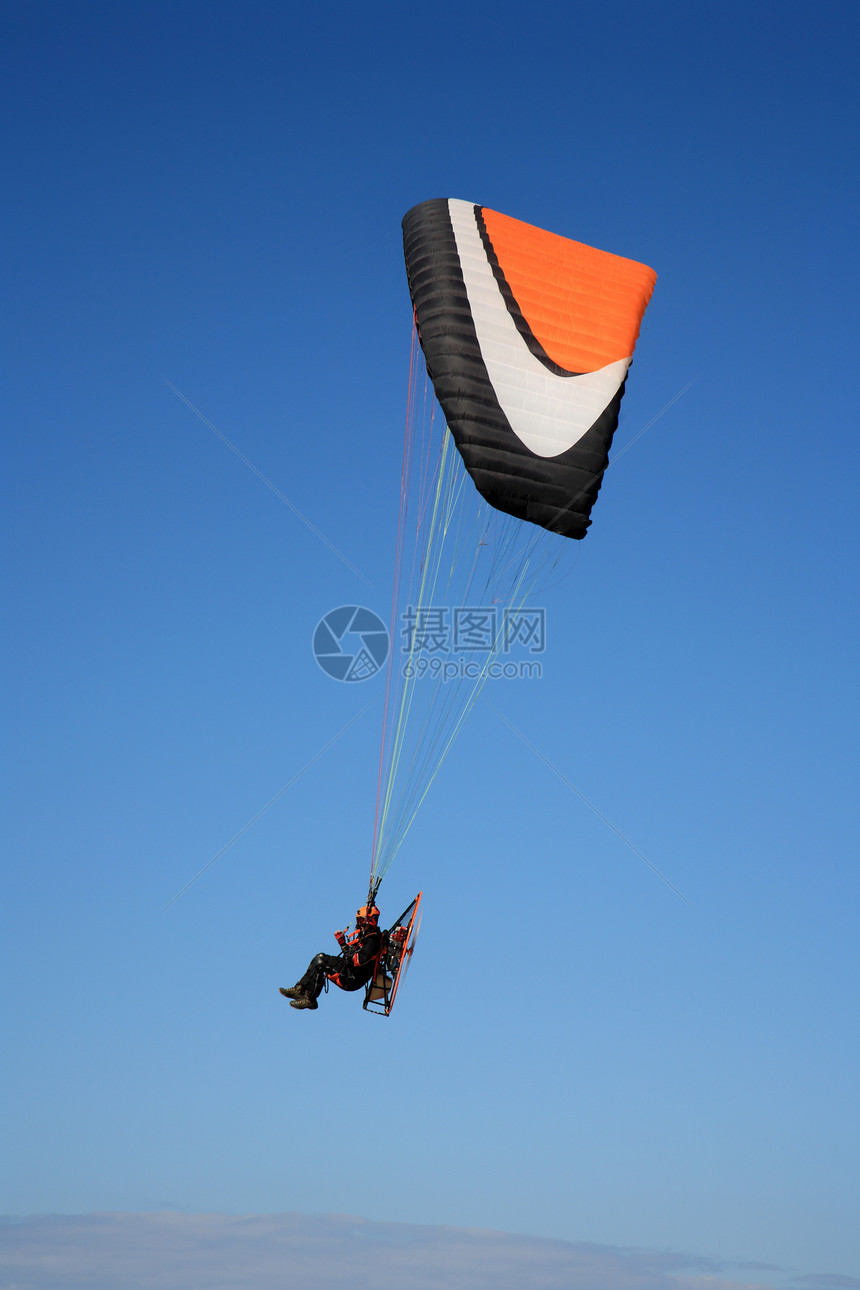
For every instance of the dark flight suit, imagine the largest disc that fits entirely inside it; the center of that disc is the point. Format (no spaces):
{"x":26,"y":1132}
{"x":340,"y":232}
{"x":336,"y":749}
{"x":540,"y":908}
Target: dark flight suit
{"x":351,"y":969}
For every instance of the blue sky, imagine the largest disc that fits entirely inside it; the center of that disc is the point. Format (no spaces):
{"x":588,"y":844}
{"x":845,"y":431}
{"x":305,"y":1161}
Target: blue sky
{"x":210,"y":196}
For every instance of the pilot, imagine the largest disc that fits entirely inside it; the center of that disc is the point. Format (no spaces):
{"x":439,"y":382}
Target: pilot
{"x":350,"y":970}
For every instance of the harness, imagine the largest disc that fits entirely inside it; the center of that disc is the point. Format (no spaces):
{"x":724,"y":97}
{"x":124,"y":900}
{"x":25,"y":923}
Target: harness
{"x":353,"y":943}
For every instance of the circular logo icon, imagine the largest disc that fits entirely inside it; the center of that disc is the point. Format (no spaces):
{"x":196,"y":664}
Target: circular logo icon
{"x":350,"y":643}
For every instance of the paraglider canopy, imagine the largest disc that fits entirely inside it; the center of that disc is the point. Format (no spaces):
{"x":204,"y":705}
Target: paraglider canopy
{"x":528,"y":337}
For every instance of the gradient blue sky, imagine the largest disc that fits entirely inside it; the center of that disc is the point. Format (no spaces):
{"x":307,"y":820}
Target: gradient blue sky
{"x":210,"y":195}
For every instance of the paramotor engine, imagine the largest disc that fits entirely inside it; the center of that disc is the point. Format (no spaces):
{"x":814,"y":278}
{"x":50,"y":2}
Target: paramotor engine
{"x":398,"y":945}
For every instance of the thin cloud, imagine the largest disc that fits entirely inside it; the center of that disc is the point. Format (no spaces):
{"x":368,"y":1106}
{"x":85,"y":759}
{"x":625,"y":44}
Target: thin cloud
{"x":306,"y":1252}
{"x":825,"y":1281}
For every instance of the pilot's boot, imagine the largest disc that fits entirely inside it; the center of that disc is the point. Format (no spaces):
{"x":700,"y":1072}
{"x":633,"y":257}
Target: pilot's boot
{"x":303,"y":1001}
{"x":292,"y":993}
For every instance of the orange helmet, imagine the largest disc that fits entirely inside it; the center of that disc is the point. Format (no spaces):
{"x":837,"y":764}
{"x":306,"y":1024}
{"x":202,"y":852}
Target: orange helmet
{"x":367,"y":914}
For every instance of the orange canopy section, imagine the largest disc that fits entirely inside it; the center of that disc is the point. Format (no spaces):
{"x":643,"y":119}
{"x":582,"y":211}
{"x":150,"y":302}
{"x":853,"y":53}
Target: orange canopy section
{"x":584,"y":306}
